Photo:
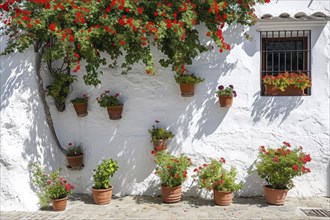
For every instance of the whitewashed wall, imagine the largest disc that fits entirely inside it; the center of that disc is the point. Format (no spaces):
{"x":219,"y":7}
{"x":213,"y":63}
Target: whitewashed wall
{"x":203,"y":129}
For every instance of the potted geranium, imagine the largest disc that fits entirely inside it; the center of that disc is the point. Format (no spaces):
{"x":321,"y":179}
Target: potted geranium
{"x":112,"y":103}
{"x":51,"y":187}
{"x":283,"y":84}
{"x":226,"y":95}
{"x":215,"y":177}
{"x":278,"y":167}
{"x":187,"y":83}
{"x":160,"y":136}
{"x":80,"y":105}
{"x":102,"y":189}
{"x":172,"y":171}
{"x":74,"y":155}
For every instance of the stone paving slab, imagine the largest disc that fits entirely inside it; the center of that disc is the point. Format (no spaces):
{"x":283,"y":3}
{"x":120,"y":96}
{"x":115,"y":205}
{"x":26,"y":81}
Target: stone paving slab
{"x":146,"y":207}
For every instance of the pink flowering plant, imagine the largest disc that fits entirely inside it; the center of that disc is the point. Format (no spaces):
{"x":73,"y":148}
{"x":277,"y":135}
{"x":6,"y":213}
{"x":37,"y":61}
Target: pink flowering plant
{"x":83,"y":99}
{"x":214,"y":176}
{"x":172,"y":170}
{"x":58,"y":187}
{"x":279,"y":166}
{"x":74,"y":150}
{"x":107,"y":100}
{"x":228,"y":91}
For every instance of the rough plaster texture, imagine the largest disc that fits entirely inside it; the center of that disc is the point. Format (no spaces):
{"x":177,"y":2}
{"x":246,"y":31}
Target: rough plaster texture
{"x":203,"y":129}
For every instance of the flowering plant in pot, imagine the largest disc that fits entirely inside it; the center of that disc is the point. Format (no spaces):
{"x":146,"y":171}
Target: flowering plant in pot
{"x":160,"y":136}
{"x":51,"y":187}
{"x":187,"y":83}
{"x":74,"y":155}
{"x":102,"y":189}
{"x":112,"y":103}
{"x":80,"y":105}
{"x":172,"y":171}
{"x":286,"y":83}
{"x":226,"y":95}
{"x":278,"y":166}
{"x":215,"y":177}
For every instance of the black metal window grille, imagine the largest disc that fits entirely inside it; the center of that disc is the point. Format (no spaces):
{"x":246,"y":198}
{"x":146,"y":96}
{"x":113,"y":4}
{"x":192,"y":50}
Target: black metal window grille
{"x":285,"y":51}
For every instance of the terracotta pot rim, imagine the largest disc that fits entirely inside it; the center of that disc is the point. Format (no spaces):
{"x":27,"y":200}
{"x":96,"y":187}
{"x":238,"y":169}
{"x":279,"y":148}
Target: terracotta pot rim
{"x":268,"y":187}
{"x":65,"y":198}
{"x":115,"y":106}
{"x":171,"y":186}
{"x":79,"y":103}
{"x":225,"y":96}
{"x":187,"y":83}
{"x":102,"y":190}
{"x":81,"y":155}
{"x":226,"y":192}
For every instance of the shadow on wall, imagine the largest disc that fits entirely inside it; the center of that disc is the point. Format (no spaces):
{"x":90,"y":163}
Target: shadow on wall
{"x":328,"y":180}
{"x":274,"y":107}
{"x":253,"y":184}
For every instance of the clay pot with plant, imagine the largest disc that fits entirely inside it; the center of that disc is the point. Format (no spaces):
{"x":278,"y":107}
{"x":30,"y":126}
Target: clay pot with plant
{"x":187,"y":83}
{"x":172,"y":171}
{"x":215,"y":177}
{"x":286,"y":84}
{"x":160,"y":136}
{"x":80,"y":105}
{"x":112,"y":103}
{"x":226,"y":95}
{"x":278,"y":167}
{"x":51,"y":187}
{"x":102,"y":189}
{"x":75,"y":156}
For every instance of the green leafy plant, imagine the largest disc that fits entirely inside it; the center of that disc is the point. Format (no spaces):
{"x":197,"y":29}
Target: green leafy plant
{"x":49,"y":186}
{"x":215,"y":176}
{"x":284,"y":80}
{"x":188,"y":79}
{"x":228,"y":91}
{"x":74,"y":150}
{"x":107,"y":100}
{"x":60,"y":88}
{"x":279,"y":166}
{"x":172,"y":170}
{"x":159,"y":133}
{"x":77,"y":100}
{"x":103,"y":173}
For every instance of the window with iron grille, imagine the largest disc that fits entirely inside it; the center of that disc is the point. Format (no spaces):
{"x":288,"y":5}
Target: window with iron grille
{"x":283,"y":51}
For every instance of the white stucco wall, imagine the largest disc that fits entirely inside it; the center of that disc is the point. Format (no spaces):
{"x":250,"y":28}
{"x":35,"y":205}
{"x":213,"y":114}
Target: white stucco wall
{"x":202,"y":129}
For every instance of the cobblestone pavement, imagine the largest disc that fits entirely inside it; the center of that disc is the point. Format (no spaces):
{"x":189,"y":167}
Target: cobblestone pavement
{"x":146,"y":207}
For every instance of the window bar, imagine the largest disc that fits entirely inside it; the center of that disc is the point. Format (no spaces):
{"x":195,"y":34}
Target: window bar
{"x":291,"y":48}
{"x":309,"y":47}
{"x":304,"y":56}
{"x":297,"y":53}
{"x":261,"y":61}
{"x":273,"y":53}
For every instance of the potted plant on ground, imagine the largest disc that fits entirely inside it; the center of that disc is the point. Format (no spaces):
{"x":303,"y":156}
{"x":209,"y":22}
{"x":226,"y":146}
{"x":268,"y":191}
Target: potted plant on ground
{"x":51,"y":187}
{"x":214,"y":177}
{"x":102,"y":189}
{"x":74,"y":155}
{"x":160,"y":136}
{"x":285,"y":84}
{"x":80,"y":105}
{"x":113,"y":105}
{"x":187,"y":83}
{"x":226,"y":95}
{"x":278,"y":167}
{"x":172,"y":171}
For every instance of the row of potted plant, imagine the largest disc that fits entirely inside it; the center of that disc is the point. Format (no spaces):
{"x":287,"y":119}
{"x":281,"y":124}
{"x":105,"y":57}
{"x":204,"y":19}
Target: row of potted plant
{"x":277,"y":166}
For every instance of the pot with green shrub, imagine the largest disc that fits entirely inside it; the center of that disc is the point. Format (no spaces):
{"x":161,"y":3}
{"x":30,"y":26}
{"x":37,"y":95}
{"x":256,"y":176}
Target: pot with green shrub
{"x":112,"y":103}
{"x":172,"y":171}
{"x":226,"y":95}
{"x":80,"y":105}
{"x":187,"y":83}
{"x":74,"y":155}
{"x":278,"y":166}
{"x":215,"y":177}
{"x":102,"y":189}
{"x":160,"y":136}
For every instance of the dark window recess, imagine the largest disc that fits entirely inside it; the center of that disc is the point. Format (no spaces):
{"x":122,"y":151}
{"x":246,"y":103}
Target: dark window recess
{"x":285,"y":51}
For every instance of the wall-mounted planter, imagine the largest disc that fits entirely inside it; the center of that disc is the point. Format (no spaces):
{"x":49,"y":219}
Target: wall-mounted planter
{"x":187,"y":90}
{"x":75,"y":162}
{"x":115,"y":112}
{"x":81,"y":109}
{"x":160,"y":144}
{"x":289,"y":91}
{"x":226,"y":101}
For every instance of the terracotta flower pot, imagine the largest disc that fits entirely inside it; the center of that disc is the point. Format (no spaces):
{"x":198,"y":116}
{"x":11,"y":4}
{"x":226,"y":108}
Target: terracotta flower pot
{"x":102,"y":196}
{"x":222,"y":198}
{"x":226,"y":101}
{"x":115,"y":112}
{"x":187,"y":90}
{"x":160,"y":144}
{"x":289,"y":91}
{"x":75,"y":162}
{"x":171,"y":194}
{"x":81,"y":109}
{"x":275,"y":196}
{"x":59,"y":204}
